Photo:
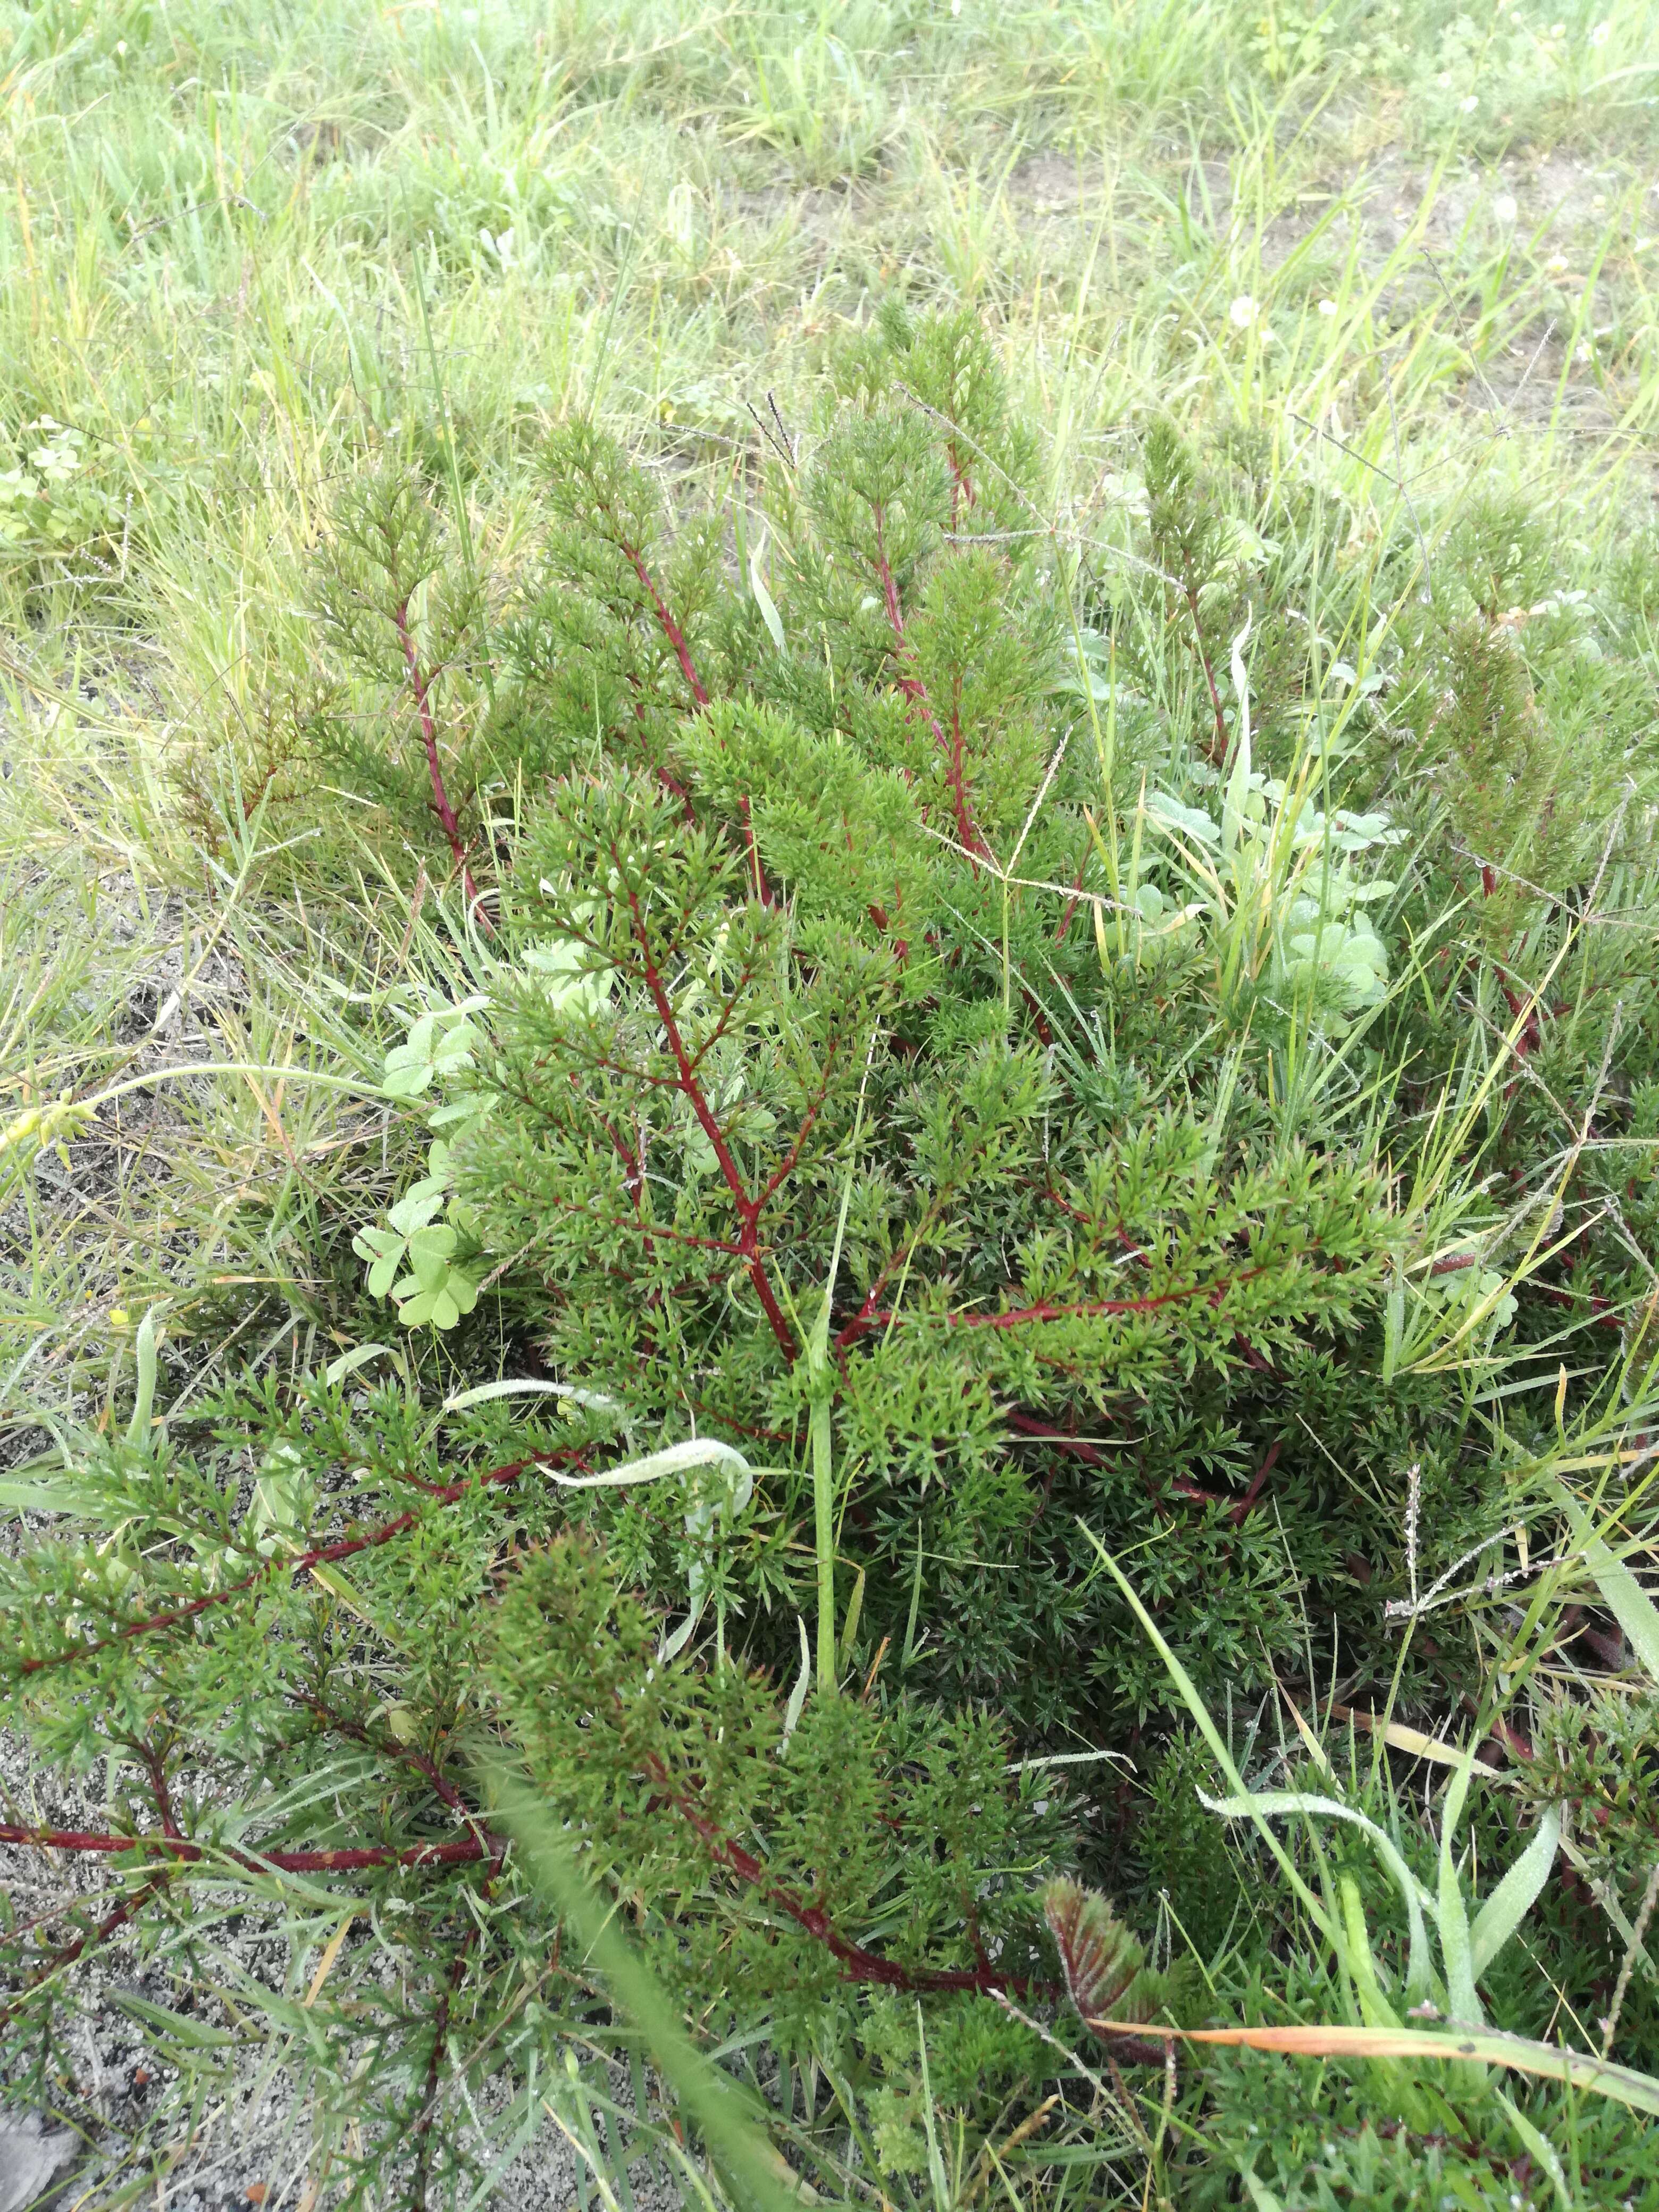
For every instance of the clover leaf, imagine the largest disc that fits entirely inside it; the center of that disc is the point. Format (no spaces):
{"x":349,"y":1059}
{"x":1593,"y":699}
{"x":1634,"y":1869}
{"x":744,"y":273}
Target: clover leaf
{"x":383,"y":1248}
{"x":436,"y":1291}
{"x":438,"y":1044}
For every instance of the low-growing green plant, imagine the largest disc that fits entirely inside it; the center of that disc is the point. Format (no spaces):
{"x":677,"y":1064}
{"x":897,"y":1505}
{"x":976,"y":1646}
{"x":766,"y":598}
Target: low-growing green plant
{"x":961,"y":1147}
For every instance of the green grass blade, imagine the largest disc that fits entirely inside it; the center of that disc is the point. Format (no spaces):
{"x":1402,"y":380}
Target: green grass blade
{"x":740,"y":2148}
{"x":1515,"y":1896}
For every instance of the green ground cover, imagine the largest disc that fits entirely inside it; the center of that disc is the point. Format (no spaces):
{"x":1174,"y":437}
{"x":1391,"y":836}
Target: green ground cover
{"x":908,"y":753}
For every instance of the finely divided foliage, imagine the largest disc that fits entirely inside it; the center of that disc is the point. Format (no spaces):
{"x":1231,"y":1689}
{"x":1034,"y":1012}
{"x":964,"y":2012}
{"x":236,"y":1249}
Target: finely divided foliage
{"x":1066,"y":1125}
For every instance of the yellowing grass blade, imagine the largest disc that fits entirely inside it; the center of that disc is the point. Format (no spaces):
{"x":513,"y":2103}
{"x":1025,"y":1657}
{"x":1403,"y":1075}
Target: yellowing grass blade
{"x":1488,"y":2046}
{"x":1413,"y":1741}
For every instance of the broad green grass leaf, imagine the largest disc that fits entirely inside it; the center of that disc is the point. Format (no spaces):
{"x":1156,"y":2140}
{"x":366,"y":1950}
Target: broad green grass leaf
{"x":1516,"y":1895}
{"x":1254,"y":1804}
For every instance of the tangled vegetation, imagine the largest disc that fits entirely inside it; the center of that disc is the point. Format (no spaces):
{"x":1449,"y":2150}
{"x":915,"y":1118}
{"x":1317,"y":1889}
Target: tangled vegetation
{"x":919,"y":1384}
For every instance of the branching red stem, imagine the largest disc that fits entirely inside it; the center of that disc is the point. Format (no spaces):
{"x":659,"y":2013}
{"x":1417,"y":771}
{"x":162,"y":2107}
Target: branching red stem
{"x":1219,"y":749}
{"x":665,"y":622}
{"x":90,"y":1938}
{"x":1018,"y":1317}
{"x":690,"y":1088}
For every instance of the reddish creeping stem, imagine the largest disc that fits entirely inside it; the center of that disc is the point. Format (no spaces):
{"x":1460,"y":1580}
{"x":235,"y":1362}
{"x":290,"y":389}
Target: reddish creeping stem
{"x":1237,"y":1510}
{"x":419,"y":685}
{"x":1219,"y":749}
{"x":968,"y":833}
{"x":748,"y":1207}
{"x":859,"y":1964}
{"x":682,"y":652}
{"x":459,"y":1853}
{"x":1019,"y":1316}
{"x":665,"y":622}
{"x":447,"y":1495}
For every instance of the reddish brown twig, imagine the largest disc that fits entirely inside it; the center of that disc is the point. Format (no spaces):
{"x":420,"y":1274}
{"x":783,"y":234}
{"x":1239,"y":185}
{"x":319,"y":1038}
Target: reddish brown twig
{"x":968,"y":833}
{"x":153,"y":1767}
{"x":321,"y":1555}
{"x":1218,"y":748}
{"x":665,"y":622}
{"x":419,"y":684}
{"x":90,"y":1938}
{"x":858,"y":1963}
{"x":428,"y":2107}
{"x":1093,"y":1308}
{"x":1239,"y":1513}
{"x":690,"y":1088}
{"x":350,"y":1860}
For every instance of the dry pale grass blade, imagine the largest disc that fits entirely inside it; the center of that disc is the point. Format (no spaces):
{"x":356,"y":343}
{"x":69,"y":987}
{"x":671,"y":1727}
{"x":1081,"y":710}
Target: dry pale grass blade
{"x":1485,"y":2047}
{"x":1414,"y":1744}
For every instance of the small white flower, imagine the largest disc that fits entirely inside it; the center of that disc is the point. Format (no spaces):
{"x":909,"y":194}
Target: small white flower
{"x":1243,"y":312}
{"x":1469,"y":103}
{"x":1445,"y":80}
{"x":1558,"y":30}
{"x":1327,"y":307}
{"x":1505,"y":207}
{"x":1601,"y":34}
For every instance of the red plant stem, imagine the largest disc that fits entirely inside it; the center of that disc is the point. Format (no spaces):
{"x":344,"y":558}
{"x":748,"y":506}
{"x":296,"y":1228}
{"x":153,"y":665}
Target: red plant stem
{"x":634,"y":1176}
{"x":428,"y":2108}
{"x":1601,"y":1313}
{"x":158,"y":1783}
{"x":1238,"y":1514}
{"x":859,"y":1964}
{"x":462,"y":1853}
{"x":1518,"y":1745}
{"x":748,"y":1208}
{"x":790,"y":1159}
{"x":665,"y":622}
{"x":957,"y":776}
{"x":1041,"y":1433}
{"x":1219,"y":752}
{"x":1237,"y":1509}
{"x":445,"y":1791}
{"x":650,"y":1229}
{"x":90,"y":1938}
{"x":866,"y":1317}
{"x":1018,"y":1316}
{"x":1072,"y":904}
{"x":441,"y":804}
{"x":968,"y":830}
{"x":1532,"y":1032}
{"x":321,"y":1556}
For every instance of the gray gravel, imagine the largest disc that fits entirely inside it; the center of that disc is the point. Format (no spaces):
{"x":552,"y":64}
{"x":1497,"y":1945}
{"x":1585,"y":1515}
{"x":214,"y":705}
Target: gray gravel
{"x":257,"y":2137}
